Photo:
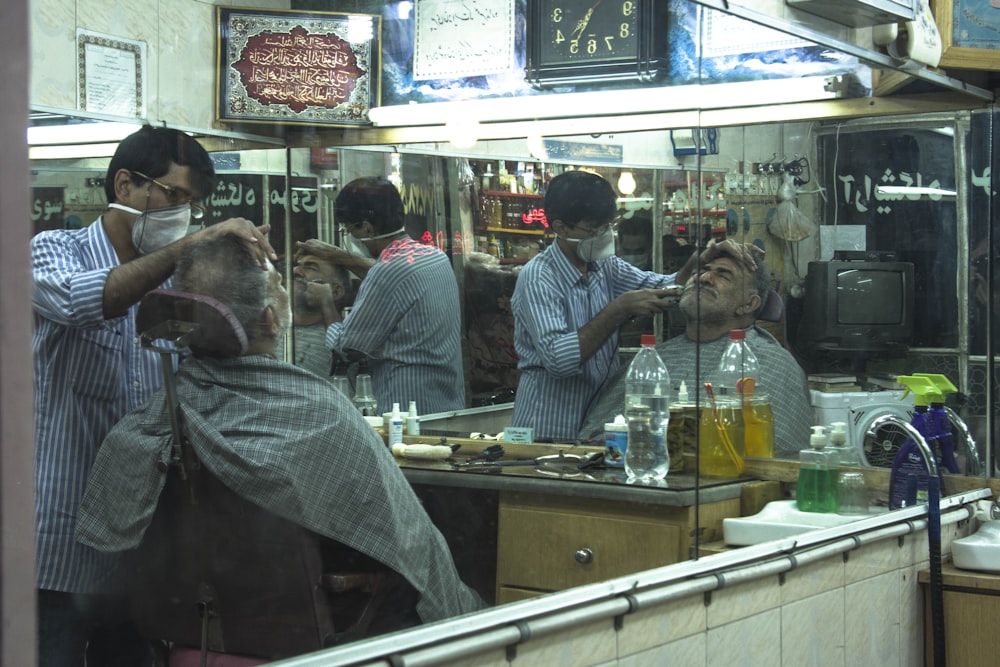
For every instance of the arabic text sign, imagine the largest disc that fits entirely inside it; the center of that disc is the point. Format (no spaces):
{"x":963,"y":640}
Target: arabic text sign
{"x":305,"y":67}
{"x":461,"y":38}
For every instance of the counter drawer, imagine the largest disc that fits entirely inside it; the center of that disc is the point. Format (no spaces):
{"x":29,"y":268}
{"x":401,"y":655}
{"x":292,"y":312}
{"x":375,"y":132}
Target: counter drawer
{"x":548,"y":550}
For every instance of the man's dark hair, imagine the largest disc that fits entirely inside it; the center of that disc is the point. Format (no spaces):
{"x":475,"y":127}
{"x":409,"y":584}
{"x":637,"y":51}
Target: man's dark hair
{"x":151,"y":150}
{"x":224,"y":269}
{"x":373,"y":199}
{"x":640,"y":224}
{"x":575,"y":196}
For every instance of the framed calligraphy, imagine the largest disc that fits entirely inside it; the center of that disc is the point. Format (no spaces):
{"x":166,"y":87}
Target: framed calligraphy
{"x":297,"y":67}
{"x":970,"y":33}
{"x":463,"y":38}
{"x":110,"y":74}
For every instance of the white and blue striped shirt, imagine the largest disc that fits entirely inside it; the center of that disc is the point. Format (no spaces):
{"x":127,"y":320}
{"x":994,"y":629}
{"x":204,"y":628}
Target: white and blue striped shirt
{"x":407,"y":321}
{"x":89,"y":372}
{"x":552,"y":301}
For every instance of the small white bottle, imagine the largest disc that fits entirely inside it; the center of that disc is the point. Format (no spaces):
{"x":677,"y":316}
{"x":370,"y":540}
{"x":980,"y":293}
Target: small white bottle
{"x":412,"y":420}
{"x":395,"y":426}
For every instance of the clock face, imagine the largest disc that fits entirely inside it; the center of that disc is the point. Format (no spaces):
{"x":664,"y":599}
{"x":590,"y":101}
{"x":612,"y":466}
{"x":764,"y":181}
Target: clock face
{"x":581,"y":31}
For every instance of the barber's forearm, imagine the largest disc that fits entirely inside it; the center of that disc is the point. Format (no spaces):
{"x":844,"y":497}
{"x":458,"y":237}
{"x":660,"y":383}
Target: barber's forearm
{"x":595,"y":333}
{"x":127,"y":283}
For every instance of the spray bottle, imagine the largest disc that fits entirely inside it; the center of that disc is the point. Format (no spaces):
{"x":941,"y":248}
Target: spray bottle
{"x":908,"y":476}
{"x":945,"y":442}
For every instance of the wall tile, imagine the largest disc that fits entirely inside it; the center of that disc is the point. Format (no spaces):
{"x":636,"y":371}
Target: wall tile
{"x":580,"y":645}
{"x":664,"y":623}
{"x":743,"y":600}
{"x":812,"y":631}
{"x":687,"y":652}
{"x":911,"y":615}
{"x":812,"y":579}
{"x":872,"y":559}
{"x":755,"y":640}
{"x":872,"y":621}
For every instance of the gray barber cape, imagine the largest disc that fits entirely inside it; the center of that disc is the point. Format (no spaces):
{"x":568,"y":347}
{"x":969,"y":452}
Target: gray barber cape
{"x":288,"y":441}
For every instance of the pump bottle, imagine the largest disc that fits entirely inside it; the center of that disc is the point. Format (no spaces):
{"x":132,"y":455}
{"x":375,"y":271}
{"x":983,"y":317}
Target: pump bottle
{"x":412,"y":420}
{"x":816,"y":487}
{"x":908,"y":475}
{"x":395,"y":426}
{"x":941,"y":423}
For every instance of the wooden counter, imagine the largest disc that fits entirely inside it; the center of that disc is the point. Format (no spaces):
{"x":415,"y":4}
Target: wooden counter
{"x":971,"y":615}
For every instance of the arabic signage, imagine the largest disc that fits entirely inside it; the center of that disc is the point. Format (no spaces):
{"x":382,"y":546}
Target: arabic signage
{"x":261,"y":198}
{"x":46,"y":208}
{"x":461,"y":38}
{"x":297,"y":67}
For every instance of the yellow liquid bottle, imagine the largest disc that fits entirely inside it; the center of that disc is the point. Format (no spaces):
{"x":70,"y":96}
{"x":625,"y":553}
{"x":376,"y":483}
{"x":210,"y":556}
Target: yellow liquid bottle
{"x":758,"y":419}
{"x":716,"y":426}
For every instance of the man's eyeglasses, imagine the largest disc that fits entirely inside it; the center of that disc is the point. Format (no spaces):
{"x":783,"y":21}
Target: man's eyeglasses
{"x":175,"y":196}
{"x":591,"y":232}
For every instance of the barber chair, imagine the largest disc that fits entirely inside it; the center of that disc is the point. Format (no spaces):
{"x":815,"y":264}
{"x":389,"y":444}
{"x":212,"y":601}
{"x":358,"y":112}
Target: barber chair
{"x":216,"y":576}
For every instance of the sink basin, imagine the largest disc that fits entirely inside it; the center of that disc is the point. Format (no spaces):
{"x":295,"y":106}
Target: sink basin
{"x":979,"y":551}
{"x":779,"y":519}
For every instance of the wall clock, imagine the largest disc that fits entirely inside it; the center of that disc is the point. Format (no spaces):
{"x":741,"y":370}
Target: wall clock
{"x":588,"y":41}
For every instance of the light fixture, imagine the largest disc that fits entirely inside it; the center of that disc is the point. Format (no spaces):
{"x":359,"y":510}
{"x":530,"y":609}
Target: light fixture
{"x":587,"y":104}
{"x":79,"y":133}
{"x":626,"y":183}
{"x":462,"y":132}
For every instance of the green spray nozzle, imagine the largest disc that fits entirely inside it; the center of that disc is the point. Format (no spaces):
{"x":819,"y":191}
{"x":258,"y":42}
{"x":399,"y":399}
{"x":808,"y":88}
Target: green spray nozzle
{"x":943,"y":384}
{"x":923,"y":389}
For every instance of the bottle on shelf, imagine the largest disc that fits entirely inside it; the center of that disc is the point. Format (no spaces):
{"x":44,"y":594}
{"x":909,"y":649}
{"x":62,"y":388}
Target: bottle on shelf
{"x":738,"y":362}
{"x":738,"y":380}
{"x":815,"y":490}
{"x":647,"y":411}
{"x":395,"y":426}
{"x":364,"y":395}
{"x":412,"y":420}
{"x":683,"y":428}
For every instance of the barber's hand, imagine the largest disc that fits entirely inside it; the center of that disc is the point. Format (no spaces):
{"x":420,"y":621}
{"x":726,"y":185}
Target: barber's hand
{"x":317,"y":293}
{"x":644,"y":302}
{"x":254,"y":237}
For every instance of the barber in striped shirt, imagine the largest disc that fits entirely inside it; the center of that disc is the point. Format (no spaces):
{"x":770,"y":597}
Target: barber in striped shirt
{"x":90,"y":370}
{"x":406,"y":319}
{"x":569,"y":303}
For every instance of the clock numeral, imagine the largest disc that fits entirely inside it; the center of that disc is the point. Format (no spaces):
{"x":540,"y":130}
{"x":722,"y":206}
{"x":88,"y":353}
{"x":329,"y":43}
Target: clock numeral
{"x":591,"y":46}
{"x":628,"y":7}
{"x":608,"y":41}
{"x":560,"y":38}
{"x":557,"y":14}
{"x":624,"y":30}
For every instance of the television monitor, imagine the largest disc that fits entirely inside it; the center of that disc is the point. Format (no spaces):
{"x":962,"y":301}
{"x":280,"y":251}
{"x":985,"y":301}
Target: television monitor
{"x":857,"y":308}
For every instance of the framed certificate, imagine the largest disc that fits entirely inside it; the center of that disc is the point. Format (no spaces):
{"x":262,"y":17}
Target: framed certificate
{"x":294,"y":67}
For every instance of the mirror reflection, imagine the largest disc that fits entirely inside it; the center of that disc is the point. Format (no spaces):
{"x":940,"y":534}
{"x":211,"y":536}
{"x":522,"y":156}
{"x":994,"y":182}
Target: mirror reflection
{"x":800,"y":303}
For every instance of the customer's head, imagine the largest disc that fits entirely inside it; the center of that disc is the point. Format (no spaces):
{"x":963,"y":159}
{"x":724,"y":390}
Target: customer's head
{"x":728,"y":292}
{"x":312,"y":269}
{"x":151,"y":151}
{"x":224,"y":269}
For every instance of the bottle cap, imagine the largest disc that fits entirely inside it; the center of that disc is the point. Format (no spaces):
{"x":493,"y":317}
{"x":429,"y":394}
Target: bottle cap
{"x":737,"y":334}
{"x":413,"y":409}
{"x":647,"y":340}
{"x":838,"y":436}
{"x":682,"y":393}
{"x":818,"y":439}
{"x":395,"y":411}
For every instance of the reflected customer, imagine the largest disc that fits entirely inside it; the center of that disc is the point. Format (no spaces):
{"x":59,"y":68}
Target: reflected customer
{"x":90,"y":368}
{"x":318,"y":288}
{"x":730,"y":292}
{"x":276,"y":435}
{"x":569,"y":303}
{"x":406,"y":319}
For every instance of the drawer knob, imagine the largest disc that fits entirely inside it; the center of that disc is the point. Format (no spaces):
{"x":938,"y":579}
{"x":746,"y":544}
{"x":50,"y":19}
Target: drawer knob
{"x":584,"y":556}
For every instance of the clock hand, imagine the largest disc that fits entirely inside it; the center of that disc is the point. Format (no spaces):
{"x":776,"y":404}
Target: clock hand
{"x":581,"y":25}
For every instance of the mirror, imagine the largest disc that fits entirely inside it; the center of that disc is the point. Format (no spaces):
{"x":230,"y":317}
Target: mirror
{"x":950,"y":240}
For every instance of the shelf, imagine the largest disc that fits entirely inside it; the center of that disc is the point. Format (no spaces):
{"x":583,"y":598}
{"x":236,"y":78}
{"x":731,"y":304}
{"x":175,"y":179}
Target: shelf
{"x":513,"y":260}
{"x":505,"y":193}
{"x":509,"y":230}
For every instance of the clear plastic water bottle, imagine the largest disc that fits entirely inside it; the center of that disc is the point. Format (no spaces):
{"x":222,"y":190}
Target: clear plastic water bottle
{"x":647,"y":410}
{"x":737,"y":362}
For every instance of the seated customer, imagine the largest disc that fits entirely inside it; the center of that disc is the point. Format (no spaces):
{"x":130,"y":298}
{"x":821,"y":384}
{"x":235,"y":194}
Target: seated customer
{"x":275,"y":434}
{"x":318,"y":287}
{"x":728,"y":293}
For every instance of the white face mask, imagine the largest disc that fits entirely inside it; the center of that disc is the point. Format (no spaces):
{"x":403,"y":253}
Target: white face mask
{"x":158,"y":228}
{"x":596,"y":247}
{"x":357,"y":246}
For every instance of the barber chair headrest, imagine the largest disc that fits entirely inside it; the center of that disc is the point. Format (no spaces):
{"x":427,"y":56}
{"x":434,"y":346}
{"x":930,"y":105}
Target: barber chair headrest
{"x":773,"y":307}
{"x":199,"y":322}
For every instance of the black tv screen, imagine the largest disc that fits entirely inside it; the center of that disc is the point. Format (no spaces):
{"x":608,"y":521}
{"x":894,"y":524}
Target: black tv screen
{"x":869,"y":297}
